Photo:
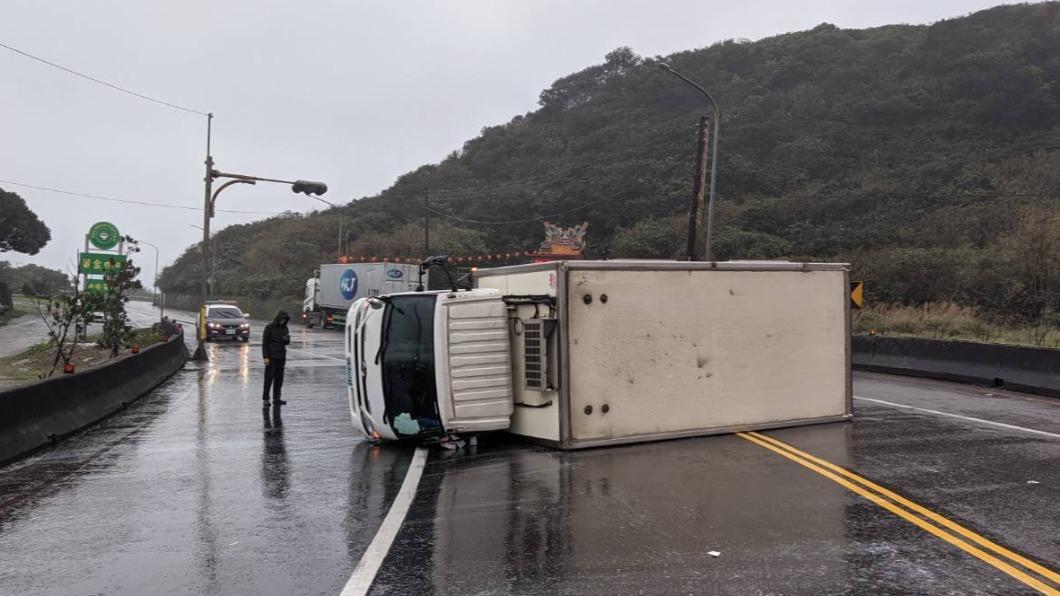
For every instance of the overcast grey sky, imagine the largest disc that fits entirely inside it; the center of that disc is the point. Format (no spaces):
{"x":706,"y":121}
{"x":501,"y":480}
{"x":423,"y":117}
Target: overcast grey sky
{"x":352,"y":93}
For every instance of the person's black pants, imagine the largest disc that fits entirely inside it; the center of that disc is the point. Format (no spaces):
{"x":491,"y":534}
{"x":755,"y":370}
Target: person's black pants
{"x":274,"y":378}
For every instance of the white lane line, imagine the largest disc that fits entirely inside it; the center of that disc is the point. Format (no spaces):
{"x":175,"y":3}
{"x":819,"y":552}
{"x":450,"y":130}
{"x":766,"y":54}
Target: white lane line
{"x":968,"y":418}
{"x":372,"y":560}
{"x":315,"y":354}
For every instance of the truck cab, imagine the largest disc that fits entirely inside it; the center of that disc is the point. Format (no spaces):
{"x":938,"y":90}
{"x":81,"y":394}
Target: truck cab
{"x":426,"y":364}
{"x":310,"y":313}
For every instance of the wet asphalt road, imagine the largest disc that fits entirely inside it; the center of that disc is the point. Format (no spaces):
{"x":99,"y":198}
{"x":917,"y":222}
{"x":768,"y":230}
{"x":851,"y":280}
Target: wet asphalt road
{"x":192,"y":491}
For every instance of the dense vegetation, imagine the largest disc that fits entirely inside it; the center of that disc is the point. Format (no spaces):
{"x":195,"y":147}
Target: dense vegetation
{"x":20,"y":228}
{"x":33,"y":280}
{"x":928,"y":156}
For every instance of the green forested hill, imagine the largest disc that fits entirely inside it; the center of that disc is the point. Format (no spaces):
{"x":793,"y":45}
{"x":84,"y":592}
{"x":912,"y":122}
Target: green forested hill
{"x":928,"y":156}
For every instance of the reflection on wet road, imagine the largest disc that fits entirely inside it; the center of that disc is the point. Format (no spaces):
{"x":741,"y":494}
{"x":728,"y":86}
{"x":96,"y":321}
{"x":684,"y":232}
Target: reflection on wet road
{"x":195,"y":489}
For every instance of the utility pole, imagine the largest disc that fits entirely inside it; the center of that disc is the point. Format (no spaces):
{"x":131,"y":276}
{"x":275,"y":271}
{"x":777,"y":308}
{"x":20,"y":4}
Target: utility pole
{"x":339,"y":255}
{"x":697,"y":211}
{"x":427,"y":223}
{"x":709,"y":251}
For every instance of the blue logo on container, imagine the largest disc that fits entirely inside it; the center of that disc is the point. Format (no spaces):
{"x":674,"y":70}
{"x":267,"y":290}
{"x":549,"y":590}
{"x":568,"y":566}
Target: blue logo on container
{"x":395,"y":273}
{"x":348,"y":284}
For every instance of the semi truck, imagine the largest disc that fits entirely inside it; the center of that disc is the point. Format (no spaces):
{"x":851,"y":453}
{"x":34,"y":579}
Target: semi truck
{"x":576,"y":354}
{"x":334,"y":288}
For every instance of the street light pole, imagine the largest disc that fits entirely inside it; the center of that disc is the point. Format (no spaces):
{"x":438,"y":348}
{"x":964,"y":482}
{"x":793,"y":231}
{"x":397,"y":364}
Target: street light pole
{"x":213,"y":253}
{"x":308,"y":187}
{"x":162,"y":314}
{"x":709,"y":253}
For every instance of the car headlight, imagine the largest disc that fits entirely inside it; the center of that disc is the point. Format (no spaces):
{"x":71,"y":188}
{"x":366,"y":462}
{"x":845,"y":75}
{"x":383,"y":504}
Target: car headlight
{"x":245,"y":325}
{"x":214,"y":325}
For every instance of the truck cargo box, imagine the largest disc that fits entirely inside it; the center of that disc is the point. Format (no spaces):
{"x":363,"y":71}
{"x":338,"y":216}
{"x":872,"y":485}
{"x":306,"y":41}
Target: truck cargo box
{"x":644,"y":350}
{"x":341,"y":284}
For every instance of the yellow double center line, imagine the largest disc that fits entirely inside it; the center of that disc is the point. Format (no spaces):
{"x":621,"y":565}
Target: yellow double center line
{"x":925,"y":519}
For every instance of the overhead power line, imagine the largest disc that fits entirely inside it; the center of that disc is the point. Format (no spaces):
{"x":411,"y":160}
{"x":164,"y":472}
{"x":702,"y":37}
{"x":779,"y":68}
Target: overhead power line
{"x":101,"y":82}
{"x":129,"y":202}
{"x":665,"y":173}
{"x":529,"y":219}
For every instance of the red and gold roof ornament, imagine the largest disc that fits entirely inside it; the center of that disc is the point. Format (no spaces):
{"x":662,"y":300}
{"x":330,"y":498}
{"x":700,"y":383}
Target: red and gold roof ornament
{"x":561,"y":243}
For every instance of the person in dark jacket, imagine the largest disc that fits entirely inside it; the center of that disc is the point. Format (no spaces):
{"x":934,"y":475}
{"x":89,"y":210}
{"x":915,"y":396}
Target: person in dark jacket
{"x":274,"y":342}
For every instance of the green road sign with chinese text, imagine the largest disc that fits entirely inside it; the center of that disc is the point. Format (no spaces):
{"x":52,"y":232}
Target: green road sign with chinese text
{"x":95,"y":286}
{"x":94,"y":263}
{"x":103,"y":235}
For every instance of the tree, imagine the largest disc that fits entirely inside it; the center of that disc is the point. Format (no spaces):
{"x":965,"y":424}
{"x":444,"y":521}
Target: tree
{"x":1033,"y":251}
{"x":34,"y":280}
{"x":407,"y":242}
{"x":20,"y":228}
{"x":651,"y":239}
{"x":121,"y":281}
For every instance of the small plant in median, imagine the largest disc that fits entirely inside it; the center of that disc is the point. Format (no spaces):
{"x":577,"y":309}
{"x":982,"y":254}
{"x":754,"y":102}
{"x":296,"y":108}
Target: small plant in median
{"x":65,"y":316}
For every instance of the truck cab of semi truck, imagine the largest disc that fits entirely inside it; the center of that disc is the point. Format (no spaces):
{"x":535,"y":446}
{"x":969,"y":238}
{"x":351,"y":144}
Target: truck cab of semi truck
{"x":426,"y":364}
{"x":310,"y":313}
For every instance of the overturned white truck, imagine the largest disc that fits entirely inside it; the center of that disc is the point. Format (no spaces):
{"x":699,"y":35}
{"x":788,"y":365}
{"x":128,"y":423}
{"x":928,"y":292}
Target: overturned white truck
{"x":585,"y":353}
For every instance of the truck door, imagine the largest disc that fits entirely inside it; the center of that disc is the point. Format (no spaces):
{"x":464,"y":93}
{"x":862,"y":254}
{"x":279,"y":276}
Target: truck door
{"x":474,"y":364}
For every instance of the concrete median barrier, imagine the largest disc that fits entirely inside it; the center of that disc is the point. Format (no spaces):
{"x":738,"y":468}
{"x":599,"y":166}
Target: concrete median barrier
{"x":39,"y":414}
{"x":1021,"y":368}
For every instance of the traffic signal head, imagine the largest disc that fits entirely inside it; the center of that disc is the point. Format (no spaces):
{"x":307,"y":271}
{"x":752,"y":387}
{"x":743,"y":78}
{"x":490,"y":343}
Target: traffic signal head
{"x":309,"y":187}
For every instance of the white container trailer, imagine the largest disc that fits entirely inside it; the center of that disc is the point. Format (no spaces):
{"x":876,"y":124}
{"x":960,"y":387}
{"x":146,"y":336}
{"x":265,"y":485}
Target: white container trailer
{"x":335,"y":287}
{"x":607,"y":352}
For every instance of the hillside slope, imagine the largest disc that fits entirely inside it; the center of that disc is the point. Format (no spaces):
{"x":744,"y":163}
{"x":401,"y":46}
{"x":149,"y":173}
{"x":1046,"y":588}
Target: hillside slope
{"x":925,"y":155}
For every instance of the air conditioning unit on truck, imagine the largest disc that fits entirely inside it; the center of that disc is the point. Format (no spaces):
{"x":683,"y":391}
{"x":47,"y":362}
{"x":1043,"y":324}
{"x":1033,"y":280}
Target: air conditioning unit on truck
{"x":334,"y":288}
{"x":585,"y":353}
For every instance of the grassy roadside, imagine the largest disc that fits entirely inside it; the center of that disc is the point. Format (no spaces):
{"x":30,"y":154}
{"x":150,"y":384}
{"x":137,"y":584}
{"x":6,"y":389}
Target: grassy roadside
{"x":9,"y":314}
{"x":950,"y":321}
{"x":35,"y":363}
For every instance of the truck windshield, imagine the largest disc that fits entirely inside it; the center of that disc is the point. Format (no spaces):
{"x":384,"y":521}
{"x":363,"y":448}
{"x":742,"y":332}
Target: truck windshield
{"x":406,"y":357}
